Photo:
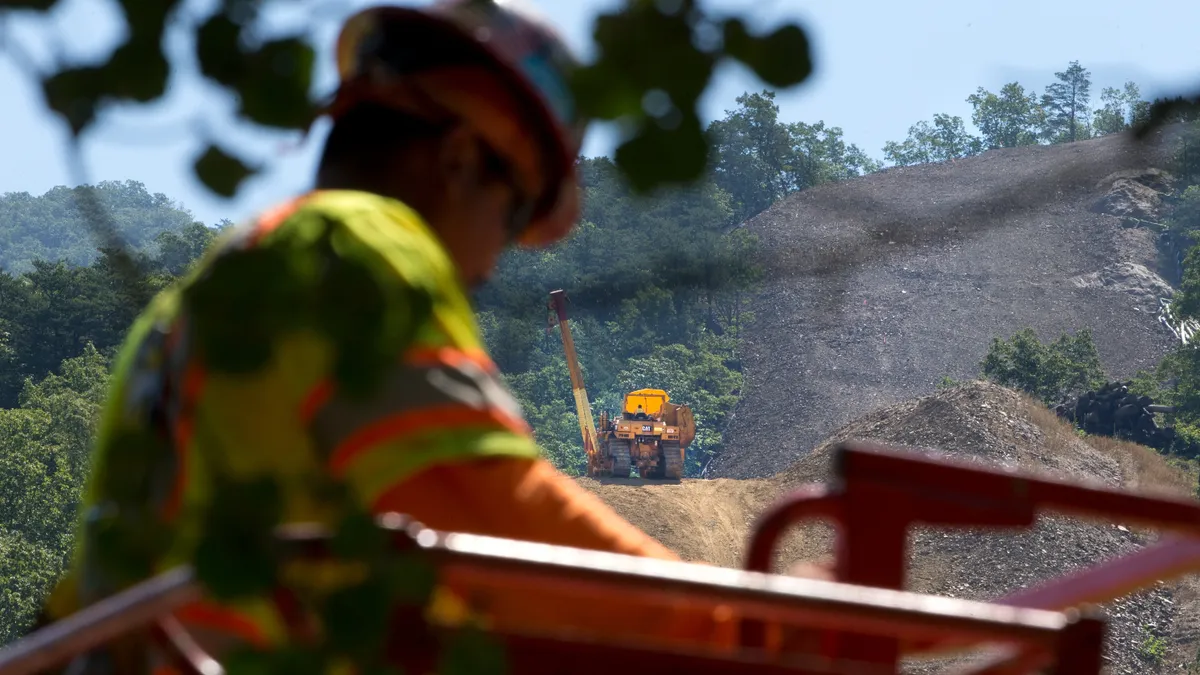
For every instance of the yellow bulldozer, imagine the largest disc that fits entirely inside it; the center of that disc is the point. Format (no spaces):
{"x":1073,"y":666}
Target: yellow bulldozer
{"x":650,"y":432}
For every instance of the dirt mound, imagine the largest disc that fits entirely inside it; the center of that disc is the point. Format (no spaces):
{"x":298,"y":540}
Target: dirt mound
{"x":981,"y":422}
{"x":881,"y":285}
{"x":701,"y":520}
{"x":710,"y":520}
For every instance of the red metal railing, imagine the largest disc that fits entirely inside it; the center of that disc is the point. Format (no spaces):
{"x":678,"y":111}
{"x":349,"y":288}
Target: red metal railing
{"x":880,"y":493}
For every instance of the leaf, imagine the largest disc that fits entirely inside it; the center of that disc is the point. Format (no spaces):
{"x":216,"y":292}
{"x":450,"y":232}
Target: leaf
{"x":40,"y":5}
{"x":74,"y":93}
{"x":139,"y":70}
{"x":781,"y":59}
{"x":221,"y":172}
{"x":356,"y":619}
{"x":412,"y":578}
{"x":601,"y":94}
{"x":274,"y":85}
{"x":235,"y":557}
{"x":245,"y":301}
{"x":358,"y":537}
{"x":472,"y":652}
{"x":656,"y":156}
{"x":217,"y":49}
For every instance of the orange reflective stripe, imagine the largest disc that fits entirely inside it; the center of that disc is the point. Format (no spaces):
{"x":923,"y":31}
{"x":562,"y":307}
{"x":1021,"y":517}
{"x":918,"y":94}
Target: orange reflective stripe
{"x":315,"y":400}
{"x":224,"y":620}
{"x":450,"y":356}
{"x":193,"y":384}
{"x":416,"y":421}
{"x":272,"y":218}
{"x":420,"y":357}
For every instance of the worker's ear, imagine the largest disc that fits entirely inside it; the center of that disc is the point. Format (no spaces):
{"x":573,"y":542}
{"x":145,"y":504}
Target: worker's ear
{"x":460,"y":159}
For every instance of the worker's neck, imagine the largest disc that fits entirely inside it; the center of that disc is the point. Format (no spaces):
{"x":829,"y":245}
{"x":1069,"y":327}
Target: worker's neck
{"x":411,"y":193}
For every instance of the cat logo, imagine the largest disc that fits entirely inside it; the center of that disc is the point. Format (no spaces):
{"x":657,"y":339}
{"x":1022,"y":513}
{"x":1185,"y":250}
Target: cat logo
{"x":647,"y":428}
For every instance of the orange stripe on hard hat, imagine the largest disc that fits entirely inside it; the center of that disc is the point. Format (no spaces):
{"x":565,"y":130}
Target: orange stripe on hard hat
{"x":413,"y":422}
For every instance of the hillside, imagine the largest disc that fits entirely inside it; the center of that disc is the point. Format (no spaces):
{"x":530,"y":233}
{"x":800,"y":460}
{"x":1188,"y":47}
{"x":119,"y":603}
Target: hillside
{"x":709,"y":520}
{"x":881,"y":285}
{"x":54,"y":226}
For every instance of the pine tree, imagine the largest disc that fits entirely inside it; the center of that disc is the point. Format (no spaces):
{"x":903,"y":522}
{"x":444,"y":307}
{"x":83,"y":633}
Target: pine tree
{"x":1066,"y":105}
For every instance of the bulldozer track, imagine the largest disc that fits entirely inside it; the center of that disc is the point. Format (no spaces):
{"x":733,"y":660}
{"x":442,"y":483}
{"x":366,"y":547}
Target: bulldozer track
{"x":620,"y":458}
{"x":672,"y":467}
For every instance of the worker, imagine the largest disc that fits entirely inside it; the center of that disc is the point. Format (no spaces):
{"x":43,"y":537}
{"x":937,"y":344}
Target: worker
{"x":454,"y":136}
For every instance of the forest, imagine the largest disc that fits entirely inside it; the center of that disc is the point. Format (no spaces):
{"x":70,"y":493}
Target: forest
{"x":659,"y":287}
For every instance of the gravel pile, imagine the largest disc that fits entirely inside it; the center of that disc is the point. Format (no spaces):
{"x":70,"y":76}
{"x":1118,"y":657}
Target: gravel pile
{"x":982,"y":422}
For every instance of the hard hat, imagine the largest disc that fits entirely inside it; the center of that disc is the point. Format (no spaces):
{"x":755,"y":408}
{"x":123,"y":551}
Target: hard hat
{"x":422,"y":60}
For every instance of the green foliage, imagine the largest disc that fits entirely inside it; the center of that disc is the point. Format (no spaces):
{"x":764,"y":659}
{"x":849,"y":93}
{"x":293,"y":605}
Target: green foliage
{"x":55,"y":226}
{"x":44,"y":448}
{"x":758,"y":160}
{"x":1015,"y":117}
{"x":947,"y":382}
{"x":1050,"y":372}
{"x":51,"y":312}
{"x":1068,"y":117}
{"x":1121,"y":110}
{"x":1153,"y":647}
{"x":1009,"y":119}
{"x":655,"y":59}
{"x":946,"y":139}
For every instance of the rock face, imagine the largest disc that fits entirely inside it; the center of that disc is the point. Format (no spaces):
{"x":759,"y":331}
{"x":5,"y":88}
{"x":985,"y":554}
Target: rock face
{"x":882,"y":285}
{"x":1137,"y":196}
{"x":1143,"y":286}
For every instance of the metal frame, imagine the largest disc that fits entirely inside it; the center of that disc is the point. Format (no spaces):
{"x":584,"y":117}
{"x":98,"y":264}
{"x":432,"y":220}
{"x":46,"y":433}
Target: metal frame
{"x":879,"y":493}
{"x":861,"y":622}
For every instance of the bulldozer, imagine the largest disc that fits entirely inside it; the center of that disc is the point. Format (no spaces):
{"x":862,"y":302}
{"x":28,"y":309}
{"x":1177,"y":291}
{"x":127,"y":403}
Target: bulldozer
{"x":650,"y":432}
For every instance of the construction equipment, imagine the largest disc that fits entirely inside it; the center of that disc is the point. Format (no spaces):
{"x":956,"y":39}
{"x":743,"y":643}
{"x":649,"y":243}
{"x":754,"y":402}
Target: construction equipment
{"x":650,"y":432}
{"x":860,"y":623}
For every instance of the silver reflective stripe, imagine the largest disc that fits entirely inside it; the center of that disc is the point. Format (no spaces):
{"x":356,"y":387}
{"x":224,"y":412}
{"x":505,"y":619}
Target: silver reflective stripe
{"x":407,"y":388}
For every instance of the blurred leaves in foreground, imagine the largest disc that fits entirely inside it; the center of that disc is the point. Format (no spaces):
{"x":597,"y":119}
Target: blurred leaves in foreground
{"x":655,"y":60}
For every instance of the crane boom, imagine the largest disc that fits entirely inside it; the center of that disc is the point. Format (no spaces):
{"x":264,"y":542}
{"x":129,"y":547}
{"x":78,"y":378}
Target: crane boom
{"x":583,"y":407}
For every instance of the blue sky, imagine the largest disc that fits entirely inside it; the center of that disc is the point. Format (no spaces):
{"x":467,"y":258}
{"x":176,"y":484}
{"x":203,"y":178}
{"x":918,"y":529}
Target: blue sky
{"x":880,"y":67}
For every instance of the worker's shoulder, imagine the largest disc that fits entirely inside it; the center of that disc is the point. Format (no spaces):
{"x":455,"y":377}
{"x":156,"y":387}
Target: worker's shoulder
{"x":379,"y":221}
{"x":360,"y":221}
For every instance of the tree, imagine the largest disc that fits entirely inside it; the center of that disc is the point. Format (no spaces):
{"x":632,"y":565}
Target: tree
{"x":1008,"y":119}
{"x":44,"y":447}
{"x":55,"y":226}
{"x":754,"y":157}
{"x":758,"y":160}
{"x":1069,"y":365}
{"x":946,"y":139}
{"x":1066,"y":104}
{"x":1121,"y":110}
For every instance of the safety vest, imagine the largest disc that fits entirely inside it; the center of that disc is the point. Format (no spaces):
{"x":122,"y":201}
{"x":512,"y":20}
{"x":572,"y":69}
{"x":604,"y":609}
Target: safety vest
{"x":440,"y":400}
